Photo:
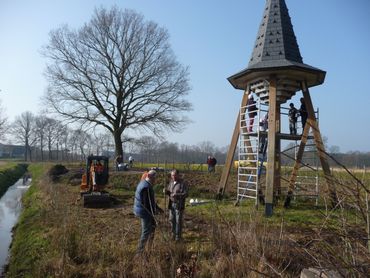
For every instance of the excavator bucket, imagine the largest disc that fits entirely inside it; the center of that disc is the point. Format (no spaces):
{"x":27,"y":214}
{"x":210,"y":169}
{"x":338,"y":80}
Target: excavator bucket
{"x":96,"y":200}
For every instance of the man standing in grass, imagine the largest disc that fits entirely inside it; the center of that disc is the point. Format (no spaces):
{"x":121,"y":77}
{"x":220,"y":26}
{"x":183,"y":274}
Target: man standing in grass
{"x":177,"y":191}
{"x":145,"y":208}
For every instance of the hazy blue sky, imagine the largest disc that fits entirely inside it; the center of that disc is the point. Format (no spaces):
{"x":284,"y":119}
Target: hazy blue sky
{"x":215,"y":39}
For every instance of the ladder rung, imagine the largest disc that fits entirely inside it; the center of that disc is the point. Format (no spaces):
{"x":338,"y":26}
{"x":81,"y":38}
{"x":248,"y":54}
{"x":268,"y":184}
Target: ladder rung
{"x":247,"y":168}
{"x":248,"y":175}
{"x":249,"y":160}
{"x":247,"y":189}
{"x":247,"y":139}
{"x":250,"y":189}
{"x":248,"y":182}
{"x":248,"y":196}
{"x":246,"y":186}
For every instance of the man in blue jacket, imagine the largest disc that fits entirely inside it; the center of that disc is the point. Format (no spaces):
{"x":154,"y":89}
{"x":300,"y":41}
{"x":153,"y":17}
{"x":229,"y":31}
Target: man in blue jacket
{"x":145,"y":207}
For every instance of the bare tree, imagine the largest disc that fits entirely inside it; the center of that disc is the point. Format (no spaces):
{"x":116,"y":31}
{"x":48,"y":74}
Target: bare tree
{"x":118,"y":71}
{"x":168,"y":152}
{"x":51,"y":128}
{"x":64,"y":140}
{"x":334,"y":149}
{"x":99,"y":142}
{"x":207,"y":147}
{"x":41,"y":123}
{"x":147,"y":146}
{"x":82,"y":142}
{"x":60,"y":130}
{"x":23,"y":130}
{"x":73,"y":144}
{"x":3,"y":122}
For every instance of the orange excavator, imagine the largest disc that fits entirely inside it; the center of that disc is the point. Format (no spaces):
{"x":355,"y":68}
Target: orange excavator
{"x":93,"y":182}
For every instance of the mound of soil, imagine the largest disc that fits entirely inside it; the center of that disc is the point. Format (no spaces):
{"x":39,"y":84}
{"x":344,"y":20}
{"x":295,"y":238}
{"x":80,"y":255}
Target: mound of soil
{"x":56,"y":171}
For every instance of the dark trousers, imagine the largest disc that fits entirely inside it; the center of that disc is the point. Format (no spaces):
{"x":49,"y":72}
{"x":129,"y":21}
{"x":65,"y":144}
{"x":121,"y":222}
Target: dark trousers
{"x":176,"y":217}
{"x":304,"y":119}
{"x":293,"y":127}
{"x":147,"y":232}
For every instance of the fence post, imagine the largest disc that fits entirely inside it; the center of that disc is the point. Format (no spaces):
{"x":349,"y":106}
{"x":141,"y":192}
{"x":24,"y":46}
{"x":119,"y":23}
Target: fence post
{"x":367,"y":211}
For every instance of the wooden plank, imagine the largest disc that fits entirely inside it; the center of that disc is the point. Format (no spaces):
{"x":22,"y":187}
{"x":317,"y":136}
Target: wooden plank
{"x":231,"y":151}
{"x":271,"y":151}
{"x":284,"y":136}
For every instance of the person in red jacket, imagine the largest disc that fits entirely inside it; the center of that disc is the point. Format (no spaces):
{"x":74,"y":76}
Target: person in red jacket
{"x":211,"y":161}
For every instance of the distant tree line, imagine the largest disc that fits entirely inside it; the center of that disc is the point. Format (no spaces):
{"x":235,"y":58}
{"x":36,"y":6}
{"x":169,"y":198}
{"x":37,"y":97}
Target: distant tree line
{"x":151,"y":150}
{"x":48,"y":139}
{"x":351,"y":159}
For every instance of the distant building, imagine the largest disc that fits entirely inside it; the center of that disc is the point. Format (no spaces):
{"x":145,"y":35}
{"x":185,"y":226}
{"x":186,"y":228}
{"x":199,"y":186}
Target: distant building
{"x":11,"y":151}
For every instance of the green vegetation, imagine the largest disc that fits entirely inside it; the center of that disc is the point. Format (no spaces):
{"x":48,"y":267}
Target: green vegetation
{"x":29,"y":240}
{"x":57,"y":237}
{"x":9,"y":174}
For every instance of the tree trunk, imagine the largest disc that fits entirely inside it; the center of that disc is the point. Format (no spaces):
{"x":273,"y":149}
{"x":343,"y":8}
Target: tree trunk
{"x":49,"y":148}
{"x":118,"y":144}
{"x":57,"y":151}
{"x":42,"y":148}
{"x":26,"y":150}
{"x":30,"y":153}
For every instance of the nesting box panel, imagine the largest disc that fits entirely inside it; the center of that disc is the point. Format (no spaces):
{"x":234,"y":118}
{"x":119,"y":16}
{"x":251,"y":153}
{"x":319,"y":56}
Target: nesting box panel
{"x":286,"y":89}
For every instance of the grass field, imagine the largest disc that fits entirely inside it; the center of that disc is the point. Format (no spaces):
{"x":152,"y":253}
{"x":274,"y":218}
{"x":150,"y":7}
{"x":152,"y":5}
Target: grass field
{"x":57,"y":237}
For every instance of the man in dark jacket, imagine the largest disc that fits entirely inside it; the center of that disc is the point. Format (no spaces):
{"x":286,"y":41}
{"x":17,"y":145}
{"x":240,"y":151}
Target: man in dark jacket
{"x":303,"y":113}
{"x":177,"y":191}
{"x":292,"y":115}
{"x":145,"y":208}
{"x":252,"y":111}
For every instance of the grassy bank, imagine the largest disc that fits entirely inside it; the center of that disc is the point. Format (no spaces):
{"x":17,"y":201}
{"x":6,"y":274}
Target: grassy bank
{"x":28,"y":239}
{"x":9,"y":174}
{"x":57,"y":237}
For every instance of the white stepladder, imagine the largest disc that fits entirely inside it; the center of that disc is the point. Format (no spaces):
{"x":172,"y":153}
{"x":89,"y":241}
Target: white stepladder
{"x":252,"y":151}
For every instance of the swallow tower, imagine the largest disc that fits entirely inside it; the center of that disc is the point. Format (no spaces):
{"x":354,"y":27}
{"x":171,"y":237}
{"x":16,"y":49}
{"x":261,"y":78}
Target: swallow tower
{"x":275,"y":73}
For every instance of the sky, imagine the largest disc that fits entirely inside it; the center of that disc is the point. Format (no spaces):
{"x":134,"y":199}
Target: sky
{"x":215,"y":39}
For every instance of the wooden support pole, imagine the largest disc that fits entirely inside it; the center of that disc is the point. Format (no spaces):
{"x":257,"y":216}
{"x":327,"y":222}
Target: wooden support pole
{"x":231,"y":151}
{"x":311,"y":120}
{"x":273,"y":122}
{"x":277,"y":182}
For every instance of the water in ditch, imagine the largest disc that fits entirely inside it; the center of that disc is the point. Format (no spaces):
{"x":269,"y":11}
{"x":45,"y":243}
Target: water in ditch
{"x":10,"y":208}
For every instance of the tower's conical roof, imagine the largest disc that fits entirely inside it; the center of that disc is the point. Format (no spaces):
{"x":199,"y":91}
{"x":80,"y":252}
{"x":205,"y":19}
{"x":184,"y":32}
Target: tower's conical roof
{"x":276,"y":50}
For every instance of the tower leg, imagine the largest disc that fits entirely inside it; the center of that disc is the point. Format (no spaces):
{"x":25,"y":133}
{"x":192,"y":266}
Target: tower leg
{"x":272,"y":144}
{"x":277,"y":182}
{"x":231,"y":151}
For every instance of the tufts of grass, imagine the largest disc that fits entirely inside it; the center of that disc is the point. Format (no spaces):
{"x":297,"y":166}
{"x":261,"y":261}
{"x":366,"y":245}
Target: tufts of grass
{"x":220,"y":240}
{"x":29,"y":239}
